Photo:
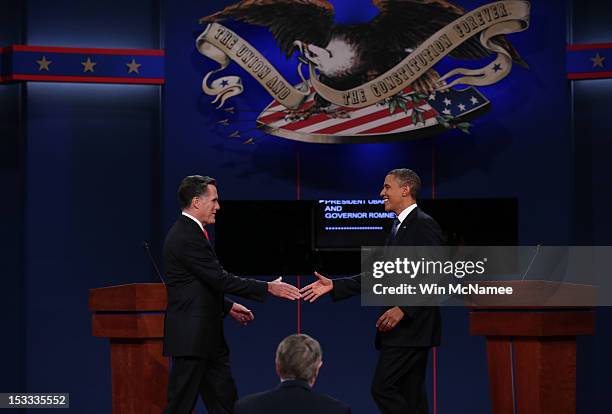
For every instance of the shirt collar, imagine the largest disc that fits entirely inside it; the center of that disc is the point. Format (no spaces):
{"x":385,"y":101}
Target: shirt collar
{"x":405,"y":212}
{"x":194,"y":219}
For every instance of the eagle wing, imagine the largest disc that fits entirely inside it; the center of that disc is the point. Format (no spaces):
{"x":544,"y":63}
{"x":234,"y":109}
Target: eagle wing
{"x":309,"y":21}
{"x":408,"y":23}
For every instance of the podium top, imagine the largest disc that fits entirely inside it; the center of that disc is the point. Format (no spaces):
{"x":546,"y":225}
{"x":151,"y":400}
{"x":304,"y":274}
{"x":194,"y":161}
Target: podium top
{"x":133,"y":297}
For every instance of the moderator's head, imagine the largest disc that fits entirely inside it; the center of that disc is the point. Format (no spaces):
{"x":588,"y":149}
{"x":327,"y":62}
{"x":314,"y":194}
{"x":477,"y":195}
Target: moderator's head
{"x":299,"y":357}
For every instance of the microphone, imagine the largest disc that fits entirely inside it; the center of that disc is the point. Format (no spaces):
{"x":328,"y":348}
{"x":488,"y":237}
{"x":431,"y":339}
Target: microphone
{"x":145,"y":246}
{"x":531,"y":262}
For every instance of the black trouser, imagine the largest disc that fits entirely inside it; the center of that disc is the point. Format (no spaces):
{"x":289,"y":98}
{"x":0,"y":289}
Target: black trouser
{"x":399,"y":380}
{"x":211,"y":378}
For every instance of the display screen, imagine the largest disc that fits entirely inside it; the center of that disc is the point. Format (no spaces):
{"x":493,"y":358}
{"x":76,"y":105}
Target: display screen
{"x":268,"y":237}
{"x":350,"y":224}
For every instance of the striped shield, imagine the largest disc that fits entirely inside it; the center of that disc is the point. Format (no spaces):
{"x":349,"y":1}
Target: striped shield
{"x":406,"y":116}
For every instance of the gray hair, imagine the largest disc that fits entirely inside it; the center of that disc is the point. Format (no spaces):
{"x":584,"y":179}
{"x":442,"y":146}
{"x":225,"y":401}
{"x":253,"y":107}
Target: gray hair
{"x":408,"y":178}
{"x":298,"y":357}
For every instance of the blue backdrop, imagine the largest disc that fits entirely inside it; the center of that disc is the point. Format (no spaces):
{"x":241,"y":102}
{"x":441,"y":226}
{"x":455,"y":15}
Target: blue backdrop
{"x":90,"y":171}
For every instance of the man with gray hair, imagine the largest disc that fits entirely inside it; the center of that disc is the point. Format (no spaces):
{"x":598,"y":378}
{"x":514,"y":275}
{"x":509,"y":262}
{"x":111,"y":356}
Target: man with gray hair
{"x":298,"y":360}
{"x":196,"y":286}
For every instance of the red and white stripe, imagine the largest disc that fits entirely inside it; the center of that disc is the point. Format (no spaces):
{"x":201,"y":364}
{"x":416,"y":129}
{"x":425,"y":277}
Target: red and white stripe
{"x":374,"y":119}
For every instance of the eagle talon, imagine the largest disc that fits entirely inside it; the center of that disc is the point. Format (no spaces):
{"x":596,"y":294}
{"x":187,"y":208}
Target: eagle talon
{"x":337,"y":113}
{"x":293,"y":115}
{"x":428,"y":83}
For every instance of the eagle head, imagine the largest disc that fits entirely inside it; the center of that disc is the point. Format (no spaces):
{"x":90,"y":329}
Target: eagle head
{"x":336,"y":59}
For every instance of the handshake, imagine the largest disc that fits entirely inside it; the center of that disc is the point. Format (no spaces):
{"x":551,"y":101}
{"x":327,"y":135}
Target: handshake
{"x":281,"y":289}
{"x":310,"y":293}
{"x":323,"y":285}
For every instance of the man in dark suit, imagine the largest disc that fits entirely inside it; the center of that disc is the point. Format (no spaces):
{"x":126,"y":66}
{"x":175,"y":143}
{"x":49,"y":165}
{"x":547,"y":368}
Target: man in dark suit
{"x":298,"y":360}
{"x":404,"y":334}
{"x":196,"y":284}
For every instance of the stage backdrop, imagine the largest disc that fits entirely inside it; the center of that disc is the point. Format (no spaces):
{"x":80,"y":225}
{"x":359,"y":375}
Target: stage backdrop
{"x":90,"y":171}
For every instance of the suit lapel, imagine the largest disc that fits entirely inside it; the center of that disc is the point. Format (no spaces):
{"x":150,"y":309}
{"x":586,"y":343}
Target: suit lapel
{"x":403,"y":227}
{"x":192,"y":225}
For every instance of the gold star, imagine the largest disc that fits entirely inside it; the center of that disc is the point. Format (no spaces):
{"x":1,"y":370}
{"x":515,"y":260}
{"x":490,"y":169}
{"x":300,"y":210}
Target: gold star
{"x":88,"y":65}
{"x":43,"y":64}
{"x":133,"y":66}
{"x":598,"y":61}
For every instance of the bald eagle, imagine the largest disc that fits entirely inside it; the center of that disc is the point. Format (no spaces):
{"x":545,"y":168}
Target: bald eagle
{"x":348,"y":55}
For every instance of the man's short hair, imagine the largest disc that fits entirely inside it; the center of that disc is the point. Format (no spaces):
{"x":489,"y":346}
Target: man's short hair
{"x":298,"y":357}
{"x":193,"y":186}
{"x":408,"y":178}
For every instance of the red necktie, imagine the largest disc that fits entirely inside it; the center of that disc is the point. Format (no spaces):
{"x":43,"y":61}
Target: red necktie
{"x":206,"y":234}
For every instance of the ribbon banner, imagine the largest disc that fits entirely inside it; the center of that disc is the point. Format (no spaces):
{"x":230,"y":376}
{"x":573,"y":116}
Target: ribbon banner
{"x":503,"y":17}
{"x":222,"y":45}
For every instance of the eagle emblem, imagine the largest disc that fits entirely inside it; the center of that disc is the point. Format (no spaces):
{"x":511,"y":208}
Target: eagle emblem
{"x":367,"y":82}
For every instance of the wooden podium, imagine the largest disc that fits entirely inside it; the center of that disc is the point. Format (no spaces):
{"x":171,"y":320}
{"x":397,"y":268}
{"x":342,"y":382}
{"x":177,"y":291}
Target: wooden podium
{"x":531,"y":350}
{"x":132,"y":317}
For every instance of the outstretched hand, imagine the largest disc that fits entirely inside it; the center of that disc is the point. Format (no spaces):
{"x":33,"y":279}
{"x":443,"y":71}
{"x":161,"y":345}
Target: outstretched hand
{"x":317,"y":289}
{"x":241,"y":313}
{"x":281,"y":289}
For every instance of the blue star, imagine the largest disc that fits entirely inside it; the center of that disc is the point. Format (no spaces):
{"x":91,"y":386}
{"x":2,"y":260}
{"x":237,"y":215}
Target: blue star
{"x":224,"y":83}
{"x":497,"y":67}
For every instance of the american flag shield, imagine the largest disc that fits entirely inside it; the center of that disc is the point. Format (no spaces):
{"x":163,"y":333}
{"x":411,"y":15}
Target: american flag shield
{"x":406,"y":116}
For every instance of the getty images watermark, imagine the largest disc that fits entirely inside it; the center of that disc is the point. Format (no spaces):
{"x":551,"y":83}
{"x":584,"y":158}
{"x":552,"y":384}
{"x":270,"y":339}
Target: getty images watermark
{"x":486,"y":276}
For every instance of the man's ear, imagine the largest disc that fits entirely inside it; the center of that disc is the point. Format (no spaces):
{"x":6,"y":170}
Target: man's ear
{"x":195,"y":202}
{"x":318,"y":368}
{"x":312,"y":382}
{"x":277,"y":368}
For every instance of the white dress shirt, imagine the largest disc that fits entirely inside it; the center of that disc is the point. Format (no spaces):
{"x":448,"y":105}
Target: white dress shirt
{"x":194,"y":219}
{"x":404,"y":213}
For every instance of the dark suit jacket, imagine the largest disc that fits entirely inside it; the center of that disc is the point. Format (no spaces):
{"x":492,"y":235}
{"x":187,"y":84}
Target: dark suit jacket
{"x":290,"y":397}
{"x":421,"y":326}
{"x":196,"y":283}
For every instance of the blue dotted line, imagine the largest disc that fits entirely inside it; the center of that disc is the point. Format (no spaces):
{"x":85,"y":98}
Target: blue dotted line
{"x":355,"y":228}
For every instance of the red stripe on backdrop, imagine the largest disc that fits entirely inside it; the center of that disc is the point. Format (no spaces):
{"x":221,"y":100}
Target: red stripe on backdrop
{"x":94,"y":51}
{"x":273,"y":116}
{"x":434,"y":350}
{"x":435,"y":381}
{"x":311,"y":120}
{"x":358,"y":121}
{"x":398,"y":124}
{"x":88,"y":79}
{"x":299,"y":309}
{"x":298,"y":178}
{"x":433,"y":168}
{"x":590,"y":75}
{"x":298,"y":196}
{"x":280,"y":113}
{"x":590,"y":46}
